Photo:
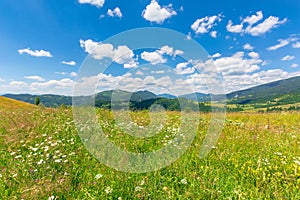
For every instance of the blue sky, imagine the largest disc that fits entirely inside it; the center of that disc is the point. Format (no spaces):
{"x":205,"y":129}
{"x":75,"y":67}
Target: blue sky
{"x":43,"y":43}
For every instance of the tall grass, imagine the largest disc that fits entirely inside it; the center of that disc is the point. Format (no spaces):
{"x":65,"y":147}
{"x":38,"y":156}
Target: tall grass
{"x":42,"y":157}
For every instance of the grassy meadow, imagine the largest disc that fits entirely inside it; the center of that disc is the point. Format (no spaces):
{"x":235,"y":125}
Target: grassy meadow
{"x":42,"y":157}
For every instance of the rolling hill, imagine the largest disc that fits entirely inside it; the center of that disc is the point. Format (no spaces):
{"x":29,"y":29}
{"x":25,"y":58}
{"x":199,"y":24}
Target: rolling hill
{"x":287,"y":90}
{"x":281,"y":92}
{"x":14,"y":104}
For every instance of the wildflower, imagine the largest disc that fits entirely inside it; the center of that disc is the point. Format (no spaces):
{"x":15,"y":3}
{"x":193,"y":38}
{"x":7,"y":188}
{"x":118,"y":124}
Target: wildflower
{"x":297,"y":162}
{"x":165,"y":188}
{"x":15,"y":175}
{"x":119,"y":198}
{"x":12,"y":153}
{"x":0,"y":175}
{"x":34,"y":149}
{"x":40,"y":162}
{"x":98,"y":176}
{"x":19,"y":156}
{"x":138,"y":188}
{"x":142,"y":182}
{"x":57,"y":160}
{"x":51,"y":198}
{"x":108,"y":190}
{"x":183,"y":181}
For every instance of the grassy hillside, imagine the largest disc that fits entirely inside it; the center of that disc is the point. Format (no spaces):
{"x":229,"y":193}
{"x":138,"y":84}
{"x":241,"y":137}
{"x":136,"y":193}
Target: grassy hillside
{"x":288,"y":89}
{"x":8,"y":103}
{"x":41,"y":156}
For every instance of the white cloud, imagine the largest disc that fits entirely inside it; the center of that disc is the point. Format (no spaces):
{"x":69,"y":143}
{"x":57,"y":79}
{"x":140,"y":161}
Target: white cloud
{"x":116,"y":12}
{"x":248,"y":47}
{"x":213,"y":34}
{"x":177,"y":52}
{"x":36,"y":78}
{"x":18,"y":83}
{"x":36,"y":53}
{"x":72,"y":63}
{"x":182,"y":68}
{"x":73,"y":74}
{"x":281,"y":43}
{"x":216,"y":55}
{"x":237,"y":64}
{"x":189,"y":36}
{"x":296,"y":45}
{"x":139,"y":72}
{"x":63,"y":86}
{"x":252,"y":29}
{"x":97,"y":3}
{"x":234,"y":28}
{"x":156,"y":57}
{"x":166,"y":50}
{"x":294,"y":65}
{"x":288,"y":57}
{"x":153,"y":57}
{"x":204,"y":25}
{"x":253,"y":54}
{"x":254,"y":18}
{"x":2,"y":80}
{"x":268,"y":24}
{"x":121,"y":54}
{"x":155,"y":13}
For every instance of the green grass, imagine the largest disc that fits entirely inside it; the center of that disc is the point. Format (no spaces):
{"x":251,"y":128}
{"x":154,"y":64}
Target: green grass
{"x":41,"y":155}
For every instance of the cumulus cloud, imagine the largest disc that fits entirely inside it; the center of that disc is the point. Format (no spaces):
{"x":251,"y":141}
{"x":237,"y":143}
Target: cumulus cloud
{"x":73,"y":74}
{"x":216,"y":55}
{"x":153,"y":57}
{"x":254,"y":29}
{"x":204,"y":25}
{"x":157,"y":13}
{"x":268,"y":24}
{"x":282,"y":43}
{"x":253,"y":54}
{"x":2,"y":80}
{"x":97,"y":3}
{"x":183,"y":68}
{"x":18,"y":83}
{"x":72,"y":63}
{"x":36,"y":78}
{"x":294,"y":65}
{"x":63,"y":86}
{"x":36,"y":53}
{"x":238,"y":64}
{"x":234,"y":28}
{"x":248,"y":47}
{"x":156,"y":57}
{"x":296,"y":45}
{"x":114,"y":13}
{"x":253,"y":18}
{"x":213,"y":34}
{"x":121,"y":54}
{"x":288,"y":57}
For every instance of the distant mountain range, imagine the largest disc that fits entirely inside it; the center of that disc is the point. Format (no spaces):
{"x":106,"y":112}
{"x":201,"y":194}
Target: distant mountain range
{"x":283,"y":91}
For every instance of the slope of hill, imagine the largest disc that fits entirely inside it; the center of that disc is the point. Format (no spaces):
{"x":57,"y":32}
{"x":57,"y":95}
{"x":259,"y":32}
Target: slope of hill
{"x":48,"y":100}
{"x":288,"y":89}
{"x":14,"y":104}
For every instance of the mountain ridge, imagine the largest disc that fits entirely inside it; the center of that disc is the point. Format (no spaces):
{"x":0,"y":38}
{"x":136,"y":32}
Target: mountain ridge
{"x":264,"y":92}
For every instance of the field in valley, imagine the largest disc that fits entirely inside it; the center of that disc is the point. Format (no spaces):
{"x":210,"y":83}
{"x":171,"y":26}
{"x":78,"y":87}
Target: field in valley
{"x":42,"y":157}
